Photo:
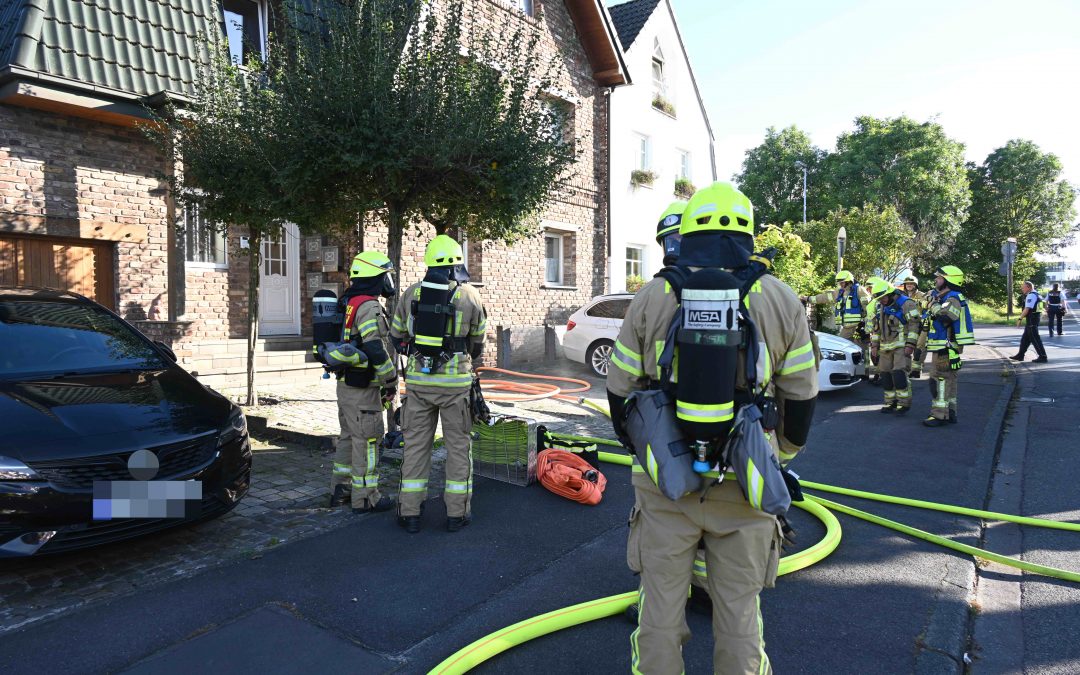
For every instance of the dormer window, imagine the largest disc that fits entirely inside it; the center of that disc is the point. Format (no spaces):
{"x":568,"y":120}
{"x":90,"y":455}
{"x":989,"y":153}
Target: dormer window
{"x":245,"y":29}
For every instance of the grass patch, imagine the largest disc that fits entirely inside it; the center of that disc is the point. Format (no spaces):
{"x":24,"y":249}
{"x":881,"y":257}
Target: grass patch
{"x":993,"y":314}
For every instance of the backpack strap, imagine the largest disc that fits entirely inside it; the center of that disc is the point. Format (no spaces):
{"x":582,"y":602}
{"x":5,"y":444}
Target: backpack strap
{"x":676,"y":276}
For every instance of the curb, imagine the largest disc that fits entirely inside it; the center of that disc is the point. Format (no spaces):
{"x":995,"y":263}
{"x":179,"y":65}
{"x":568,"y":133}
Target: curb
{"x":946,"y":636}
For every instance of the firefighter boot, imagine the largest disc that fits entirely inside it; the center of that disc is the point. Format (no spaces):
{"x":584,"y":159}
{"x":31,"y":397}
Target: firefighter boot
{"x":890,"y":408}
{"x":384,"y":504}
{"x":454,"y":524}
{"x":411,"y":524}
{"x":341,"y":496}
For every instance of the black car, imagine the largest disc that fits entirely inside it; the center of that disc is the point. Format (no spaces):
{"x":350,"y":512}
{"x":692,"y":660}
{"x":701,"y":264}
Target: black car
{"x":81,"y":392}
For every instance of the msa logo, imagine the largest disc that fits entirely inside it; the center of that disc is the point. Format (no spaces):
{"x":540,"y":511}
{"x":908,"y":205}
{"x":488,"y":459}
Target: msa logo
{"x":698,"y":316}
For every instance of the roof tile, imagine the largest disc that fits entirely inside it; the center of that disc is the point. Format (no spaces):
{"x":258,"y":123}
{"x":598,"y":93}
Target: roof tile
{"x":630,"y":17}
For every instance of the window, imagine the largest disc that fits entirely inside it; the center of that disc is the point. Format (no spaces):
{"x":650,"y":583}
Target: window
{"x":644,"y":153}
{"x":635,"y":261}
{"x":659,"y":81}
{"x":559,"y":116}
{"x":609,"y":309}
{"x":204,"y":243}
{"x":244,"y":29}
{"x":553,"y":259}
{"x":523,"y":6}
{"x":684,"y":165}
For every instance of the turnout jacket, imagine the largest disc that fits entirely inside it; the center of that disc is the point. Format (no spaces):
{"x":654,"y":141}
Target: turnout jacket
{"x":470,"y":324}
{"x":895,"y":326}
{"x":831,"y":298}
{"x":787,"y":366}
{"x":370,"y":334}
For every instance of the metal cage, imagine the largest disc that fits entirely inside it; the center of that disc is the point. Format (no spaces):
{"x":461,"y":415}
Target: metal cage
{"x":505,"y":449}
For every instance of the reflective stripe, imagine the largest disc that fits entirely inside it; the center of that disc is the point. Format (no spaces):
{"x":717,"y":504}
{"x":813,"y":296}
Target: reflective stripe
{"x":939,"y":400}
{"x":650,"y":465}
{"x":700,"y":570}
{"x":384,"y":368}
{"x":397,"y":324}
{"x":635,"y":657}
{"x":626,"y":359}
{"x":716,"y":474}
{"x":428,"y":341}
{"x":367,"y":328}
{"x":414,"y":485}
{"x":764,"y":365}
{"x":459,"y":486}
{"x":431,"y":284}
{"x":480,"y":329}
{"x":797,"y":360}
{"x":755,"y":484}
{"x":372,"y":475}
{"x":439,"y":380}
{"x":705,"y":412}
{"x":763,"y":665}
{"x":787,"y":457}
{"x":342,"y":469}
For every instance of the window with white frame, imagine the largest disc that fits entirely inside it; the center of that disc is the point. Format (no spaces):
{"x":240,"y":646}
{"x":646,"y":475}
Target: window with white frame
{"x":635,"y":261}
{"x":204,"y":243}
{"x":644,"y":152}
{"x":659,"y":77}
{"x":553,"y":258}
{"x":560,"y":114}
{"x":524,"y":6}
{"x":245,"y":28}
{"x":684,"y":165}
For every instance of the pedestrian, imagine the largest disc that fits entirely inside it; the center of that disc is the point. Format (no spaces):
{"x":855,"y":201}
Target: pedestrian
{"x":440,"y":323}
{"x":1029,"y":318}
{"x":364,"y":385}
{"x":951,"y":329}
{"x":742,"y":543}
{"x":895,"y":333}
{"x":1056,"y":308}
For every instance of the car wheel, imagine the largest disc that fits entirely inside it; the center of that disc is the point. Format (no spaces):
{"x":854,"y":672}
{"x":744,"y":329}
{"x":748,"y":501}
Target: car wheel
{"x":599,"y":356}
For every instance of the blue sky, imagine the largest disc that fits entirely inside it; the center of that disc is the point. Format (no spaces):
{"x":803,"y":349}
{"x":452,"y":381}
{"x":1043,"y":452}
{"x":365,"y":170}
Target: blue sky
{"x":988,"y":71}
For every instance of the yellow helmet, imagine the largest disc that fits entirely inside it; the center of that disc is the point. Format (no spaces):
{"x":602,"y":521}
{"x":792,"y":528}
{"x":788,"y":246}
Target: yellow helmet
{"x":951,"y":274}
{"x":370,"y":264}
{"x":718,"y":208}
{"x":911,"y":279}
{"x":443,"y":251}
{"x":879,"y":288}
{"x":670,"y":220}
{"x":844,"y":275}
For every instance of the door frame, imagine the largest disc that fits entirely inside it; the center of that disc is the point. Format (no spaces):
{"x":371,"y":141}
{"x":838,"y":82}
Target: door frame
{"x":292,"y":259}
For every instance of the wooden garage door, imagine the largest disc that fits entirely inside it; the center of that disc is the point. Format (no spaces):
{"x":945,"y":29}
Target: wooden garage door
{"x":78,"y":265}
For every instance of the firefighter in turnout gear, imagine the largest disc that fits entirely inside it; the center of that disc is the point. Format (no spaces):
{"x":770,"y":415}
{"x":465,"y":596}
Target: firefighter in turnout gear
{"x":364,"y":381}
{"x":950,"y":330}
{"x":742,"y":543}
{"x":667,"y":231}
{"x":849,"y":301}
{"x":864,"y":333}
{"x":895,"y":330}
{"x":911,"y":289}
{"x":440,"y":323}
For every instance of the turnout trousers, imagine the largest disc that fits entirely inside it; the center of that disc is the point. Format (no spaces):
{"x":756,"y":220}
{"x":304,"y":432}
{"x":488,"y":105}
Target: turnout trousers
{"x":942,"y":386}
{"x":742,"y":551}
{"x":920,"y":353}
{"x":420,"y":417}
{"x":893,"y":366}
{"x":356,"y":455}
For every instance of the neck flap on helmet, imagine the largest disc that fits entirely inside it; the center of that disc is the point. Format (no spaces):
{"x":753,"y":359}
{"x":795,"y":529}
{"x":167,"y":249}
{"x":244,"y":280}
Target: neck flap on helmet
{"x":716,"y":249}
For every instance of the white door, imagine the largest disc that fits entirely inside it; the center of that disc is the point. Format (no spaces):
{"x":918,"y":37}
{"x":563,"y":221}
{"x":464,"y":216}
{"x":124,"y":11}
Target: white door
{"x":279,"y":283}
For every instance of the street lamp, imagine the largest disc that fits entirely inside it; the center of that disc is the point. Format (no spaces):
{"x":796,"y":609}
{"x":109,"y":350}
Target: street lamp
{"x":841,"y":243}
{"x":802,"y":165}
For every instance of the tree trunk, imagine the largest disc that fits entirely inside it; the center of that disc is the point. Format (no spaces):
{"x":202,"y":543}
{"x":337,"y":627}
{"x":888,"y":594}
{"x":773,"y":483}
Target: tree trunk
{"x":254,"y":262}
{"x":395,"y":224}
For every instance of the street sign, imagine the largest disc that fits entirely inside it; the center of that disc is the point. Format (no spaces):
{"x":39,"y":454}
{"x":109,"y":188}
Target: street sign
{"x":1008,"y":250}
{"x":1003,"y":269}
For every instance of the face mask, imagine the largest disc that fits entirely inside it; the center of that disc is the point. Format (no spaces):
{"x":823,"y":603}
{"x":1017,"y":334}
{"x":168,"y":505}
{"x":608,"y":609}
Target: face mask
{"x":672,"y":244}
{"x":459,"y":274}
{"x":388,"y":288}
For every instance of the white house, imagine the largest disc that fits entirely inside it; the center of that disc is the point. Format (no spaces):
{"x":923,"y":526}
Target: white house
{"x":659,"y":130}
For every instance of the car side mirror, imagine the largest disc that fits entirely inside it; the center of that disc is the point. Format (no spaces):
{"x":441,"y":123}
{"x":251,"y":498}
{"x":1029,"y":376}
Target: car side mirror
{"x":167,"y":349}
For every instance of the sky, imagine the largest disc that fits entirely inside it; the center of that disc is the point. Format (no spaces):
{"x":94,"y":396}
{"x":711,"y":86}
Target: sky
{"x":987,"y":71}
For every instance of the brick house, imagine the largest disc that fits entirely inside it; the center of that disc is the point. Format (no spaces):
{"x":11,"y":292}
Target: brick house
{"x":82,"y":207}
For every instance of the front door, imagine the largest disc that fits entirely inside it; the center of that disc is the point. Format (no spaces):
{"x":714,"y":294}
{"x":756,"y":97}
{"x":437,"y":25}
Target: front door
{"x":279,"y":283}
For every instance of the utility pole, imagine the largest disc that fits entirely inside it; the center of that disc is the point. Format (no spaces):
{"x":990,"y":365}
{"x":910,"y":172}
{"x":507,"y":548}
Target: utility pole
{"x":802,"y":165}
{"x":841,"y":243}
{"x":1008,"y":255}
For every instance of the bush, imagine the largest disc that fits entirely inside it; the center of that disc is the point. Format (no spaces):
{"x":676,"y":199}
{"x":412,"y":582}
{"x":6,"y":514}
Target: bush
{"x":642,"y":177}
{"x":634,"y":283}
{"x":992,"y":314}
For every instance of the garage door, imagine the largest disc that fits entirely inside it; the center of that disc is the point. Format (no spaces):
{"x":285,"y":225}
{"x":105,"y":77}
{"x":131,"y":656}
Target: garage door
{"x":77,"y":265}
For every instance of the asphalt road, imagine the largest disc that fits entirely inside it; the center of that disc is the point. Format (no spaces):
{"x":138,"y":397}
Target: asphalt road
{"x":367,"y":597}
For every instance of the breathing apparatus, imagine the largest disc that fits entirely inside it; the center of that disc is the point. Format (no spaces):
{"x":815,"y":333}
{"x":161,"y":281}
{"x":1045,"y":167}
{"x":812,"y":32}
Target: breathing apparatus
{"x":434,"y":314}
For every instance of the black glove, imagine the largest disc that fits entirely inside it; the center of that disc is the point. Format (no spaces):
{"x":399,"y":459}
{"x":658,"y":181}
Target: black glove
{"x":788,"y":531}
{"x":387,"y":394}
{"x":793,"y":486}
{"x":617,"y":406}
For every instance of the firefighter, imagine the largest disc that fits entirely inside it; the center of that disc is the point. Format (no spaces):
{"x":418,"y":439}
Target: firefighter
{"x":849,"y":301}
{"x":918,"y":356}
{"x":895,"y":330}
{"x":440,"y":324}
{"x":950,"y":330}
{"x":366,"y":381}
{"x":742,"y":543}
{"x":667,"y":231}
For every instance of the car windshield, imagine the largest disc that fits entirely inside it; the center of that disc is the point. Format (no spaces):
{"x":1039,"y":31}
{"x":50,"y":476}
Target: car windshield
{"x":44,"y":339}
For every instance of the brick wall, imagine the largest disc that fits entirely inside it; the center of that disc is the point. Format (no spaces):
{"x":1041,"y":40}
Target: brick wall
{"x":67,"y":169}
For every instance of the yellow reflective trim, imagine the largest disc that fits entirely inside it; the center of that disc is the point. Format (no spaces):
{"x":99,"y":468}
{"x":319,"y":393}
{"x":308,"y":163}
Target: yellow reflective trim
{"x":428,"y":341}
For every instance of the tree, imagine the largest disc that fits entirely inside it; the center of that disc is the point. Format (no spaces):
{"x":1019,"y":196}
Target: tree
{"x":773,"y":182}
{"x":425,"y":111}
{"x":910,"y":166}
{"x":1018,"y":191}
{"x":792,"y":263}
{"x":878,"y":242}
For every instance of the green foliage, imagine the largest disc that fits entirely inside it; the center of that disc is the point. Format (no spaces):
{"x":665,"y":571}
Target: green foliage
{"x":1018,"y":191}
{"x":992,"y":314}
{"x":684,"y":188}
{"x":773,"y":182}
{"x":878,"y":242}
{"x":913,"y":167}
{"x":634,"y":283}
{"x":663,"y":105}
{"x":642,"y":177}
{"x":792,"y":263}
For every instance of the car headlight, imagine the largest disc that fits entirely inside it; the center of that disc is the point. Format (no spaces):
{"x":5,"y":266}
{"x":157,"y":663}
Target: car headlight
{"x":831,"y":355}
{"x":236,"y":428}
{"x":13,"y":469}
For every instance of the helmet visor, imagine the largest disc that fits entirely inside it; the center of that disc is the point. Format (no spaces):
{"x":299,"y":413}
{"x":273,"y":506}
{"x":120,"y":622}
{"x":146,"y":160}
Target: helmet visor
{"x":672,"y":244}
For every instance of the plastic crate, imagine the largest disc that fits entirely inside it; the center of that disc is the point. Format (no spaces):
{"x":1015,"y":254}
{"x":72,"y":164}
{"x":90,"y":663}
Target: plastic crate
{"x":505,"y":449}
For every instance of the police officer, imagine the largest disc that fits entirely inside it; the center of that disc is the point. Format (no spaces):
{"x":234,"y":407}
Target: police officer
{"x":440,"y":323}
{"x":1030,"y":319}
{"x":1056,"y":308}
{"x":363,"y":385}
{"x":950,"y":330}
{"x":667,"y":231}
{"x":741,"y":543}
{"x":895,"y":331}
